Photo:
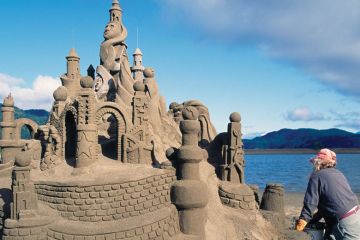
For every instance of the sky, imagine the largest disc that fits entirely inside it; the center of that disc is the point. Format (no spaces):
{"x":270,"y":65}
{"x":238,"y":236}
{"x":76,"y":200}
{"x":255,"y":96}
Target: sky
{"x":280,"y":63}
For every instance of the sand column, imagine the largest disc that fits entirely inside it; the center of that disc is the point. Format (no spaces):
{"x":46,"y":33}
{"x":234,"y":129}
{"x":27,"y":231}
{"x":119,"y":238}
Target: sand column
{"x":86,"y":153}
{"x":273,"y":198}
{"x":189,"y":194}
{"x":24,"y":197}
{"x":9,"y":147}
{"x":8,"y":120}
{"x":232,"y":169}
{"x":25,"y":221}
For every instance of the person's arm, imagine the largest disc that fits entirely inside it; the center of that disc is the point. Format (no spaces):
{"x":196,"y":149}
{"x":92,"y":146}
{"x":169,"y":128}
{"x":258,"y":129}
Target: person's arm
{"x":311,"y":201}
{"x":316,"y":218}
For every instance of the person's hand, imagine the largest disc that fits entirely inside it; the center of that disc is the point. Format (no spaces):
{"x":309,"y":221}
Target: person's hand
{"x":300,"y":225}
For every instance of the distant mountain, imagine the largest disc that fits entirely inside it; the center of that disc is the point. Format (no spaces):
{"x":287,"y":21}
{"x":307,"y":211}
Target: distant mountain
{"x":304,"y":138}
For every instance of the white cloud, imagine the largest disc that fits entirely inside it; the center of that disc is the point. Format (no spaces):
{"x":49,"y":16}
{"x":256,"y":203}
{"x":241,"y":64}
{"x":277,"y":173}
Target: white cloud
{"x":303,"y":114}
{"x":7,"y":79}
{"x":349,"y":120}
{"x":39,"y":96}
{"x":322,"y":37}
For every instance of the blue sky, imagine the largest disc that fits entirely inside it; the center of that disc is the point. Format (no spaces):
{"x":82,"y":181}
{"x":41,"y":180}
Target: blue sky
{"x":284,"y":64}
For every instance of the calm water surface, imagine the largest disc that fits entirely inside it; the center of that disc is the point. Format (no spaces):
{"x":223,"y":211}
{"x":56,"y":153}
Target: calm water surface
{"x":293,"y":170}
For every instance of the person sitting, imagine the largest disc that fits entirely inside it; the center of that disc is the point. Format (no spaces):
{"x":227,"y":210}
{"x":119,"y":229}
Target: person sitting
{"x":330,"y":193}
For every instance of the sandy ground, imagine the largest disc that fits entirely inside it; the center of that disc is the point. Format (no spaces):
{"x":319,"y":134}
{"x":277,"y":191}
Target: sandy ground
{"x":293,"y":203}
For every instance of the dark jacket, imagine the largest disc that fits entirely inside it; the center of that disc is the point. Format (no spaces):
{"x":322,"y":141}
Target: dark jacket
{"x":330,"y":193}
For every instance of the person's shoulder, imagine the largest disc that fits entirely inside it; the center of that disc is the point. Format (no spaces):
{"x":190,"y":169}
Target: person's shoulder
{"x":315,"y":175}
{"x":329,"y":172}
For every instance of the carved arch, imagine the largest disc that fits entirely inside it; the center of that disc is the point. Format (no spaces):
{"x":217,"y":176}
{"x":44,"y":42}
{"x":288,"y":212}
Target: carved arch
{"x":30,"y":124}
{"x":61,"y":124}
{"x":121,"y":119}
{"x":68,"y":108}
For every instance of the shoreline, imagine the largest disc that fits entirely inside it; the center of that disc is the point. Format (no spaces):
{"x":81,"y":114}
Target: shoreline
{"x":299,"y":151}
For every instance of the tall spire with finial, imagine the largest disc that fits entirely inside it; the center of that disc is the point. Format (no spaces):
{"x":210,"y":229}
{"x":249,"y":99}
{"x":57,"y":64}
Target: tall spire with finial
{"x":73,"y":66}
{"x":115,"y":12}
{"x":137,"y":69}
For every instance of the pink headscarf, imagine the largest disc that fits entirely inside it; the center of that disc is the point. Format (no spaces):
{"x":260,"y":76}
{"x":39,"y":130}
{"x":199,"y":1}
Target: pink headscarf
{"x":324,"y":156}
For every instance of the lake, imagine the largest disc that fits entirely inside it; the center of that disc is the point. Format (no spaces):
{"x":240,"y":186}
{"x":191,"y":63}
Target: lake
{"x":293,"y":170}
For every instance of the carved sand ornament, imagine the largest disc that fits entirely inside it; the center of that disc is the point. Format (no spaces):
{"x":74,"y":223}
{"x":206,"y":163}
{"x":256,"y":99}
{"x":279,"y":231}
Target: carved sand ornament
{"x":115,"y":73}
{"x":189,"y":194}
{"x":232,"y":168}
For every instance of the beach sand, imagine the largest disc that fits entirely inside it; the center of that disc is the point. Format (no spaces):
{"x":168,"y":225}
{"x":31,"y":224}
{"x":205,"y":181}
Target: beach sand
{"x":293,"y":203}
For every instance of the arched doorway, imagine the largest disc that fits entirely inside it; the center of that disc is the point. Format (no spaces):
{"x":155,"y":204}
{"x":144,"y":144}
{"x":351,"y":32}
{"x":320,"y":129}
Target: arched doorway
{"x":25,"y":128}
{"x":26,"y":132}
{"x":70,"y":139}
{"x":112,"y":118}
{"x":108,"y":136}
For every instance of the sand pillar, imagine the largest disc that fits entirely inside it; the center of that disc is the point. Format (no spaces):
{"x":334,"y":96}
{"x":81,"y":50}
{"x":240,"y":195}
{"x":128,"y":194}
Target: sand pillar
{"x":25,"y":221}
{"x":232,"y":169}
{"x":140,"y":104}
{"x":189,"y":194}
{"x":8,"y":120}
{"x":9,"y":147}
{"x":86,"y":152}
{"x":273,"y":198}
{"x":24,"y":197}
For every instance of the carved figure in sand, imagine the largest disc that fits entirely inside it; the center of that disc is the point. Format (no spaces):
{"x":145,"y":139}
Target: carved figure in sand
{"x":158,"y":105}
{"x":114,"y":81}
{"x":33,"y":147}
{"x":207,"y":132}
{"x":53,"y":150}
{"x":104,"y":85}
{"x":233,"y":165}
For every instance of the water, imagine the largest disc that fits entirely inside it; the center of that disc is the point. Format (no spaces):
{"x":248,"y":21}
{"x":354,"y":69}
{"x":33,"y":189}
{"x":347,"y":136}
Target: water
{"x":293,"y":170}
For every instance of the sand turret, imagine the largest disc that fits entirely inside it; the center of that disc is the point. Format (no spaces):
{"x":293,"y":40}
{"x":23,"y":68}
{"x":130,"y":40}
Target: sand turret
{"x":71,"y":79}
{"x":138,"y":69}
{"x":115,"y":12}
{"x":73,"y":68}
{"x":7,"y":123}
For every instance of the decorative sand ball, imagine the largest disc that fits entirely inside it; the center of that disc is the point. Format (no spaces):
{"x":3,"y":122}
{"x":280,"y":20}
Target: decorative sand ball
{"x":235,"y":117}
{"x":60,"y":94}
{"x":149,"y":72}
{"x":87,"y":82}
{"x":23,"y":158}
{"x":139,"y":86}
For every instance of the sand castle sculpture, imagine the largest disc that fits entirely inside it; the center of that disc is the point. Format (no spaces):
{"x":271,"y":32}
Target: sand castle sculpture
{"x":113,"y":163}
